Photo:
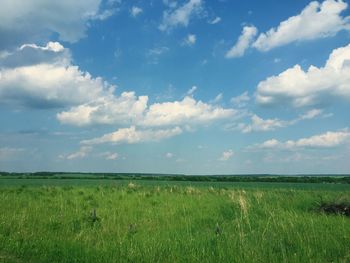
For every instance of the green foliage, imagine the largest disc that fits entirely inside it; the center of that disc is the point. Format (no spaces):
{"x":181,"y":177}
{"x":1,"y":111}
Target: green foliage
{"x":132,"y":222}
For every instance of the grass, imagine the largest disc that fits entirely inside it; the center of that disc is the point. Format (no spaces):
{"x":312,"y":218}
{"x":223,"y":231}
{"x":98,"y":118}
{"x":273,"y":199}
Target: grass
{"x":38,"y":182}
{"x":148,"y":222}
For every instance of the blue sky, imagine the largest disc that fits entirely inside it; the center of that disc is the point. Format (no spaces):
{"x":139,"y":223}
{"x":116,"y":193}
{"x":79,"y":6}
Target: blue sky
{"x":193,"y":86}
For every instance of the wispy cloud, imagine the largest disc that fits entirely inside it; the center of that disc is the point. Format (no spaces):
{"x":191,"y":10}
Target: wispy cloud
{"x":243,"y":43}
{"x":180,"y":16}
{"x":329,"y":139}
{"x":135,"y":11}
{"x":132,"y":135}
{"x":216,"y":20}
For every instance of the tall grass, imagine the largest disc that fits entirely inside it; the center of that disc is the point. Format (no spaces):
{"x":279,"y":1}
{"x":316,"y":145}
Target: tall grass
{"x":134,"y":223}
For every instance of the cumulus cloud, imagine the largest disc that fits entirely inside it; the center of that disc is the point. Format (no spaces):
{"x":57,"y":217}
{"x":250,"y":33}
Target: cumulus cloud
{"x":135,"y":11}
{"x":132,"y":135}
{"x":124,"y":109}
{"x":325,"y":140}
{"x":226,"y":155}
{"x":243,"y":43}
{"x":180,"y":16}
{"x":43,"y":77}
{"x":187,"y":111}
{"x":315,"y":86}
{"x":37,"y":19}
{"x":50,"y":80}
{"x":31,"y":54}
{"x":316,"y":20}
{"x":129,"y":109}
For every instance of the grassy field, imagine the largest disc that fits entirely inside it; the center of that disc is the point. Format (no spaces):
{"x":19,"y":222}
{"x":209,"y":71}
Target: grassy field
{"x":52,"y":220}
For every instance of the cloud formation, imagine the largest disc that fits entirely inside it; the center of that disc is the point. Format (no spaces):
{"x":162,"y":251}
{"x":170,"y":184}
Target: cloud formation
{"x":106,"y":109}
{"x":49,"y":79}
{"x":325,"y":140}
{"x":132,"y":135}
{"x":258,"y":124}
{"x":316,"y":20}
{"x":135,"y":11}
{"x":316,"y":86}
{"x":43,"y":77}
{"x":188,"y":111}
{"x":180,"y":16}
{"x":190,"y":40}
{"x":37,"y":19}
{"x":243,"y":43}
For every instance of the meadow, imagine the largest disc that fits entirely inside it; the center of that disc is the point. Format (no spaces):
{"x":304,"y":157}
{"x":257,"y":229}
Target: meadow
{"x":82,"y":220}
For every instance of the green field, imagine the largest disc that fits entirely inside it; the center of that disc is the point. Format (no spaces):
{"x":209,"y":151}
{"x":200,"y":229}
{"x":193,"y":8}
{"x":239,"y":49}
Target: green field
{"x":52,"y":220}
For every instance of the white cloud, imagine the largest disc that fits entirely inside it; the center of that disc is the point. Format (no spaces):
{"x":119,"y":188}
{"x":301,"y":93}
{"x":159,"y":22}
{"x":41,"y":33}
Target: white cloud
{"x":190,"y":40}
{"x":124,"y":109}
{"x":132,"y":135}
{"x":241,"y":100}
{"x":50,"y":80}
{"x":135,"y":11}
{"x":325,"y":140}
{"x":82,"y":153}
{"x":27,"y":21}
{"x":258,"y":124}
{"x":191,"y":90}
{"x":181,"y":16}
{"x":188,"y":111}
{"x":216,"y":20}
{"x":315,"y":86}
{"x":226,"y":155}
{"x":31,"y":54}
{"x":129,"y":109}
{"x":50,"y":46}
{"x":311,"y":114}
{"x":316,"y":20}
{"x":243,"y":43}
{"x":41,"y":77}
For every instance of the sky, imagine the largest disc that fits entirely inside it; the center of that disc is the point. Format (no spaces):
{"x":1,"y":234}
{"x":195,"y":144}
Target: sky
{"x":171,"y":86}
